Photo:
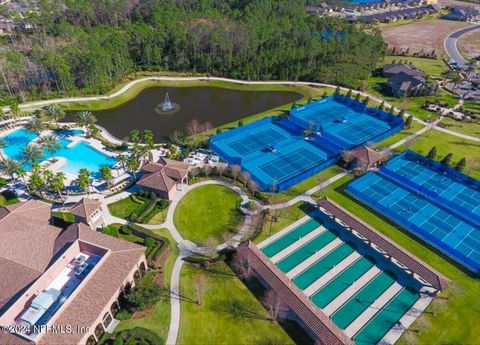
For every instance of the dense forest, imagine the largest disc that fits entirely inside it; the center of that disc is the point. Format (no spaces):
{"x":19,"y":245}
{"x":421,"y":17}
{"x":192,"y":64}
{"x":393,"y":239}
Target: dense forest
{"x":86,"y":46}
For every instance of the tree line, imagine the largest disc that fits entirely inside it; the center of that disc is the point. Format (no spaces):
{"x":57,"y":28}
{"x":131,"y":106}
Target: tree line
{"x":81,"y":46}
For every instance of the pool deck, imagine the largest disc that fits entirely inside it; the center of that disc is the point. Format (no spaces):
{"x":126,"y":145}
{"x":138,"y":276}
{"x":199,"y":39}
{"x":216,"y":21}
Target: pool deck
{"x":61,"y":162}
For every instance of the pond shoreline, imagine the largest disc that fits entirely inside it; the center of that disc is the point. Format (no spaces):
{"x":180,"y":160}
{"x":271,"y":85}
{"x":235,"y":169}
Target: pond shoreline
{"x":209,"y":104}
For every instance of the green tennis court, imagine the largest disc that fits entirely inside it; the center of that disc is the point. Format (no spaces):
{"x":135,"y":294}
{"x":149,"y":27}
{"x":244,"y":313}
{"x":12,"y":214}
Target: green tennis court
{"x":376,"y":329}
{"x":291,"y":237}
{"x":340,"y":283}
{"x":322,"y":266}
{"x":361,"y":300}
{"x":304,"y":252}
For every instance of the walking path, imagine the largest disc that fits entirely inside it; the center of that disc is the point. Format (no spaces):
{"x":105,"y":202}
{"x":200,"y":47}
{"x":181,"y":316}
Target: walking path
{"x":175,"y":302}
{"x":187,"y":247}
{"x":38,"y":104}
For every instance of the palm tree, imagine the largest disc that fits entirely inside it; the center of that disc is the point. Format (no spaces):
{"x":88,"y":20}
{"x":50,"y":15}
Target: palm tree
{"x":50,"y":143}
{"x":14,"y":108}
{"x":123,"y":159}
{"x":34,"y":125}
{"x":31,"y":154}
{"x":21,"y":173}
{"x":144,"y":152}
{"x":55,"y":113}
{"x":86,"y":119}
{"x":48,"y":176}
{"x":3,"y":143}
{"x":9,"y":167}
{"x":83,"y":180}
{"x":106,"y":174}
{"x":58,"y":182}
{"x":133,"y":165}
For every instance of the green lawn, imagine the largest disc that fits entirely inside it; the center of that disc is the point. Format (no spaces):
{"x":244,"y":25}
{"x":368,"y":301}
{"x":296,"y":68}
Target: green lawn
{"x":431,"y":67}
{"x":284,"y":217}
{"x":445,"y":144}
{"x":159,"y":216}
{"x":62,"y":219}
{"x":158,"y":320}
{"x":125,"y":207}
{"x":207,"y":213}
{"x":469,"y":128}
{"x":452,"y":318}
{"x":229,"y":313}
{"x":399,"y":136}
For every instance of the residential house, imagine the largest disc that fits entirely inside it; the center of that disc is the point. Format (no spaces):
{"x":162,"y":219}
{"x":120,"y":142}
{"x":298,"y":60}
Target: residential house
{"x":463,"y":14}
{"x":405,"y":85}
{"x":389,"y":70}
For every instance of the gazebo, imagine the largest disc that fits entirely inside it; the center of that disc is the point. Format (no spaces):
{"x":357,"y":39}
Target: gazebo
{"x":363,"y":158}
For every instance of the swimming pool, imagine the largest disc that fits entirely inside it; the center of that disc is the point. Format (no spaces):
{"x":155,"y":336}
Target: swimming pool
{"x":80,"y":155}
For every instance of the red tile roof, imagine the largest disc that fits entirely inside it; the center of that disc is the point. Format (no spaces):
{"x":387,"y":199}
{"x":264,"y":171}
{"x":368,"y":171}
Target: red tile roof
{"x":436,"y":279}
{"x":313,"y":318}
{"x":85,"y":207}
{"x":19,"y":269}
{"x":27,"y":245}
{"x":164,"y":175}
{"x":363,"y":155}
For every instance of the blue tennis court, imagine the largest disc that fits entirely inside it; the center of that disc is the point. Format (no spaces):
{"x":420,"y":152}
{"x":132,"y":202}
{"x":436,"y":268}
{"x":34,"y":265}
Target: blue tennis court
{"x":357,"y":131}
{"x":414,"y":168}
{"x":412,"y":199}
{"x":257,"y":141}
{"x":277,"y":152}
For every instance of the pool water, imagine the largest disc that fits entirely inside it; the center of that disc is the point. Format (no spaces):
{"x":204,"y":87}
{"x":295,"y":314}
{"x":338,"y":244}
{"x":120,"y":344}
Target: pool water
{"x":81,"y":155}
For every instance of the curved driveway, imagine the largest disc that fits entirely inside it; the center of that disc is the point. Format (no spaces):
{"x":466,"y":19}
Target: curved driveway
{"x":450,"y":44}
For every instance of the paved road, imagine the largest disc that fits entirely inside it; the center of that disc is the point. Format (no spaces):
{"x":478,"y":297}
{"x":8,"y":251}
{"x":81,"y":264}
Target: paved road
{"x":450,"y":44}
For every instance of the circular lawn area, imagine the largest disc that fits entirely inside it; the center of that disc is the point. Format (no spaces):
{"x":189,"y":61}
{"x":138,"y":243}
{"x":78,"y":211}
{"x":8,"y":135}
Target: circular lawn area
{"x":207,"y":213}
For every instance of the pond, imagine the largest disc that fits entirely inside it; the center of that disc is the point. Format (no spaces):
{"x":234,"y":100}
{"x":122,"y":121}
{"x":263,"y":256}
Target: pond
{"x":204,"y":103}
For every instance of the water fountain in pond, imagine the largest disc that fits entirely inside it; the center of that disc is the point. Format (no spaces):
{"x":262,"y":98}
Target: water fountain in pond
{"x":167,"y":106}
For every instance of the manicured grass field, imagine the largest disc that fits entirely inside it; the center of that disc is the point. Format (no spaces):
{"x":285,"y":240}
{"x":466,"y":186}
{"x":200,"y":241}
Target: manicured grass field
{"x":469,"y":128}
{"x":207,"y":213}
{"x":229,"y":312}
{"x":446,"y":143}
{"x":399,"y":136}
{"x":124,"y":208}
{"x":450,"y":319}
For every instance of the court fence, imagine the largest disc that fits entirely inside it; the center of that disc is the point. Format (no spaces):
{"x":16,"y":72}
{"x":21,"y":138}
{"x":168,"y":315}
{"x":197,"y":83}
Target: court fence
{"x":330,"y":144}
{"x":437,"y":200}
{"x":414,"y":229}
